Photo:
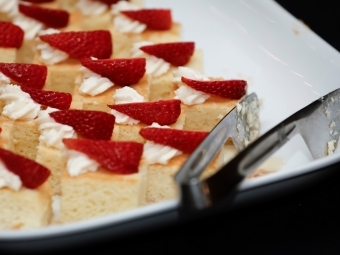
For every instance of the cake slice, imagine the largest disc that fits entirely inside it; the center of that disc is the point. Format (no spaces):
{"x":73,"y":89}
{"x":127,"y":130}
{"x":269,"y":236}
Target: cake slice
{"x":18,"y":112}
{"x":132,"y":113}
{"x":162,"y":59}
{"x":98,"y":80}
{"x":205,"y":101}
{"x":90,"y":15}
{"x":11,"y":42}
{"x":62,"y":53}
{"x":165,"y":151}
{"x":101,"y":178}
{"x":25,"y":195}
{"x":132,"y":24}
{"x":71,"y":5}
{"x":33,"y":18}
{"x":55,"y":125}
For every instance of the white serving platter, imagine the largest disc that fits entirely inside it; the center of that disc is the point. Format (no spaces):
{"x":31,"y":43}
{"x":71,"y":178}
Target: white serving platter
{"x":284,"y":62}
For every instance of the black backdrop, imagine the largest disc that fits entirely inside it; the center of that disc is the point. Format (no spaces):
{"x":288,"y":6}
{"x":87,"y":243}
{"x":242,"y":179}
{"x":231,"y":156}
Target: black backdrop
{"x":306,"y":222}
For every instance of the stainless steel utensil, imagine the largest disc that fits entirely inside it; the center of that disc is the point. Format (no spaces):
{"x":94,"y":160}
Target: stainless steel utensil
{"x":318,"y":124}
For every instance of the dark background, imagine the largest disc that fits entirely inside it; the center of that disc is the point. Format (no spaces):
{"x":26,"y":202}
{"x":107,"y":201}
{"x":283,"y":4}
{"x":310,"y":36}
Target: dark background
{"x":306,"y":222}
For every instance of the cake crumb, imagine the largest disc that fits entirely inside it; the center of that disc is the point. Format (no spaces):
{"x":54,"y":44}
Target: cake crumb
{"x":331,"y":147}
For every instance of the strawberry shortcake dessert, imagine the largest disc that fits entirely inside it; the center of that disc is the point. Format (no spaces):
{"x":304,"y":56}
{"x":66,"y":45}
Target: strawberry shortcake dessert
{"x":101,"y":103}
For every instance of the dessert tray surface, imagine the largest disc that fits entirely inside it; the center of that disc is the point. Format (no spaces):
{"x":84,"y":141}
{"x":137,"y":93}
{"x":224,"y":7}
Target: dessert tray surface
{"x":285,"y":63}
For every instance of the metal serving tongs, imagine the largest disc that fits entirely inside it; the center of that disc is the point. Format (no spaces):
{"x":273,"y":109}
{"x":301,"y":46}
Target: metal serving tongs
{"x":318,"y":124}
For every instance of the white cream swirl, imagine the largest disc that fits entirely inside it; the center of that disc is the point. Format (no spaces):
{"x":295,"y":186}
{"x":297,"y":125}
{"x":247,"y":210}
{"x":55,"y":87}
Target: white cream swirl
{"x":79,"y":163}
{"x":52,"y":132}
{"x":4,"y":79}
{"x":123,"y":6}
{"x":30,"y":26}
{"x":157,"y":153}
{"x":18,"y":104}
{"x":9,"y":179}
{"x":93,"y":84}
{"x":188,"y":72}
{"x":126,"y":25}
{"x":155,"y":67}
{"x":50,"y":55}
{"x":88,"y":7}
{"x":123,"y":96}
{"x":48,"y":31}
{"x":9,"y":7}
{"x":136,"y":52}
{"x":186,"y":94}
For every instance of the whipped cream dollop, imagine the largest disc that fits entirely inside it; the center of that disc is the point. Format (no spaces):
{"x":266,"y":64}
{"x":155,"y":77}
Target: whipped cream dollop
{"x":186,"y":94}
{"x":9,"y":179}
{"x":4,"y":79}
{"x":79,"y":163}
{"x":18,"y":104}
{"x":123,"y":6}
{"x":92,"y":83}
{"x":30,"y":26}
{"x":123,"y":96}
{"x":154,"y":66}
{"x":88,"y":7}
{"x":9,"y":7}
{"x":158,"y":153}
{"x":50,"y":55}
{"x":126,"y":25}
{"x":52,"y":132}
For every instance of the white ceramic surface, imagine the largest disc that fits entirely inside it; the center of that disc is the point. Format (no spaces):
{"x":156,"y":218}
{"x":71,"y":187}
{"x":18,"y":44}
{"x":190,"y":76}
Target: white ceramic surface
{"x":284,"y":62}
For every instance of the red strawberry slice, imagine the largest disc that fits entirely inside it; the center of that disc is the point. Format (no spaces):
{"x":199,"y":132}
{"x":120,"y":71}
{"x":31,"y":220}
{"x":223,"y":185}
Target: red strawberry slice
{"x":176,"y":53}
{"x":232,"y":89}
{"x":108,"y":2}
{"x":31,"y":174}
{"x":163,"y":112}
{"x":155,"y":19}
{"x":81,"y":44}
{"x":58,"y":100}
{"x":11,"y":36}
{"x":28,"y":75}
{"x":117,"y":157}
{"x":126,"y":71}
{"x":95,"y":125}
{"x":55,"y":18}
{"x":38,"y":1}
{"x":183,"y":140}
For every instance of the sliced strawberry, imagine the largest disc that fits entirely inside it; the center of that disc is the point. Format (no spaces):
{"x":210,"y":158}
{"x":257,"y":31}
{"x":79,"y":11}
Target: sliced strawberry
{"x":11,"y":36}
{"x":89,"y":124}
{"x":155,"y":19}
{"x":183,"y":140}
{"x":232,"y":89}
{"x":163,"y":112}
{"x":55,"y":18}
{"x":38,"y":1}
{"x":81,"y":44}
{"x":122,"y":72}
{"x":58,"y":100}
{"x":176,"y":53}
{"x":117,"y":157}
{"x":28,"y":75}
{"x":108,"y":2}
{"x":30,"y":172}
